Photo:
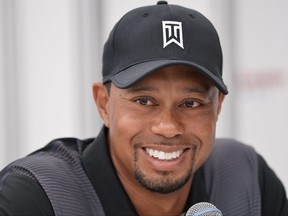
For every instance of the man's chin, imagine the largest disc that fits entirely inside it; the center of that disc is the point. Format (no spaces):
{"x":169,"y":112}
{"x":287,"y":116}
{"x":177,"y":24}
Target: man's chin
{"x":164,"y":184}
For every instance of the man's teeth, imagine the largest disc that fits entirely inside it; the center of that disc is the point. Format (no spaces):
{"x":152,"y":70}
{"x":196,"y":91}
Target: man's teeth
{"x":161,"y":155}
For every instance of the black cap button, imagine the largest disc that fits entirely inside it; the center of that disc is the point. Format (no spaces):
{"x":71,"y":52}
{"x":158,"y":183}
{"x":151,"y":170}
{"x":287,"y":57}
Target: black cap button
{"x":161,"y":2}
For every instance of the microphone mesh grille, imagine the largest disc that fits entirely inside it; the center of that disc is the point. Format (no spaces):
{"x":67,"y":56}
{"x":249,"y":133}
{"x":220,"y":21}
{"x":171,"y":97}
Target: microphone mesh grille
{"x":203,"y":209}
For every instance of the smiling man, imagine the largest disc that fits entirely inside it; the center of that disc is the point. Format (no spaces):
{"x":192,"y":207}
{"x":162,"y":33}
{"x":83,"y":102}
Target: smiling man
{"x":161,"y":130}
{"x":160,"y":100}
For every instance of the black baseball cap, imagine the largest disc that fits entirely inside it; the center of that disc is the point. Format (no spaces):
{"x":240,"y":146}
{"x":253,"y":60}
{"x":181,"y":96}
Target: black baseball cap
{"x":149,"y":38}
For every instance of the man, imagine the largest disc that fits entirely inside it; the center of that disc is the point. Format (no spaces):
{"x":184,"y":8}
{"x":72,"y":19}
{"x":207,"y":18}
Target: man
{"x":160,"y":99}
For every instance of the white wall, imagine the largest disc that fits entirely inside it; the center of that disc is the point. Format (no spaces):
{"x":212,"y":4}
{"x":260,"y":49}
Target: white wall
{"x":261,"y":66}
{"x":49,"y":64}
{"x":51,"y":54}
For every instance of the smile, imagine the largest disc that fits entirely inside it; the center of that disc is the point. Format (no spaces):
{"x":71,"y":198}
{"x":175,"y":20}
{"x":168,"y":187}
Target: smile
{"x":161,"y":155}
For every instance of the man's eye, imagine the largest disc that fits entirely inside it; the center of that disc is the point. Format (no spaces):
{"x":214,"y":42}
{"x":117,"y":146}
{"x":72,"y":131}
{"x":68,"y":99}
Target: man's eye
{"x":144,"y":101}
{"x":191,"y":104}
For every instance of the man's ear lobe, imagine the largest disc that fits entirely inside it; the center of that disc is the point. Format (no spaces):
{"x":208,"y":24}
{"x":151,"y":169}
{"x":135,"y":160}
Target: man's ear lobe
{"x":101,"y":99}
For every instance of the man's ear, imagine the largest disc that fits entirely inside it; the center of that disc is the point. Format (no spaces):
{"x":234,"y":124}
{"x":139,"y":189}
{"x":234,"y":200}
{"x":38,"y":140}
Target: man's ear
{"x":221,"y":97}
{"x":101,"y":98}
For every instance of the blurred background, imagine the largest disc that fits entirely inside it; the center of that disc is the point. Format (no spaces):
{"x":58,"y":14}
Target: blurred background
{"x":50,"y":55}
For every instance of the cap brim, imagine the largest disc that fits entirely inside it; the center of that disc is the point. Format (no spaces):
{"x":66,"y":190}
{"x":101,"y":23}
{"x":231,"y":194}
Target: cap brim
{"x":128,"y":77}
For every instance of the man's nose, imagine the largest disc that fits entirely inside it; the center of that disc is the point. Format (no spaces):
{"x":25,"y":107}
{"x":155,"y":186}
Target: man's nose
{"x":167,"y":124}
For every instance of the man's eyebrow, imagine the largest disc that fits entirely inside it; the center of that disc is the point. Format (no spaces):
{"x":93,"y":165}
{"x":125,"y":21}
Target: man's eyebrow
{"x":202,"y":90}
{"x":135,"y":89}
{"x":206,"y":92}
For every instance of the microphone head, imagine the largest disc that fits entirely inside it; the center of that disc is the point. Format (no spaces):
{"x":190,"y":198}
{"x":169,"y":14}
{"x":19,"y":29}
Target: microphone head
{"x":203,"y":209}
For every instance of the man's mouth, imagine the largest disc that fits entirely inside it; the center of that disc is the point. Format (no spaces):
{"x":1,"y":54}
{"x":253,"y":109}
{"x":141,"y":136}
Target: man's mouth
{"x":164,"y":156}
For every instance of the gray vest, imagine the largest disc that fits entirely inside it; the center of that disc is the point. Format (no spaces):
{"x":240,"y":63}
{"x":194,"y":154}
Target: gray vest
{"x":230,"y":173}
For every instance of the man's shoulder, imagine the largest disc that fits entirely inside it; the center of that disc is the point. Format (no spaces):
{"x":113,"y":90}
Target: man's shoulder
{"x":232,"y":162}
{"x":230,"y":153}
{"x":59,"y":154}
{"x":55,"y":170}
{"x":22,"y":195}
{"x":244,"y":162}
{"x":233,"y":149}
{"x":68,"y":143}
{"x":231,"y":176}
{"x":64,"y":152}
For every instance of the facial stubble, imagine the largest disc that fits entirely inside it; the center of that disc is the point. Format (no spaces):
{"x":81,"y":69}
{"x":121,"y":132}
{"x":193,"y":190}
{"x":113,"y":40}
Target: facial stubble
{"x":165,"y":183}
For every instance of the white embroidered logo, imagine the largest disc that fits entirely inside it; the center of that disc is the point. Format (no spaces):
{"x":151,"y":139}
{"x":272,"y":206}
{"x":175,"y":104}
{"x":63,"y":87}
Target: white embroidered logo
{"x":172,"y":33}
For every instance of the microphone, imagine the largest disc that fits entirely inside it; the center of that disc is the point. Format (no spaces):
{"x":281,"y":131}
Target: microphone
{"x":203,"y":209}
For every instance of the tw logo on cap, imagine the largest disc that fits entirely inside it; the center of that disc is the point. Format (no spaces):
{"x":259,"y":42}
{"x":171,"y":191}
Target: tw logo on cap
{"x":172,"y":33}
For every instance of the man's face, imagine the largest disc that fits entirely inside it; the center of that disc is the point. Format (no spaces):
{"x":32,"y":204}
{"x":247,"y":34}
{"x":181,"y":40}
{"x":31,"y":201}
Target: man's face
{"x":162,"y":129}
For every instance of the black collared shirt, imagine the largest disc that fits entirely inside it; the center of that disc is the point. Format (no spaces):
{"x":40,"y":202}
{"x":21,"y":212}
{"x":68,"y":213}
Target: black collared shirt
{"x":20,"y":195}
